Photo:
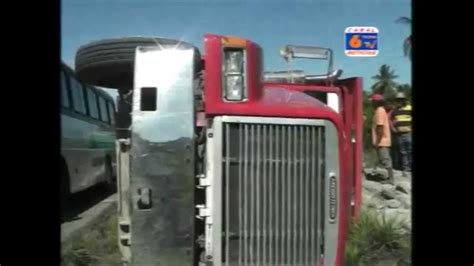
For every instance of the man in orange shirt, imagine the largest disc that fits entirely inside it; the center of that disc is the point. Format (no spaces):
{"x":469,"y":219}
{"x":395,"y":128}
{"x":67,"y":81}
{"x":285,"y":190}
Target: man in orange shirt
{"x":381,"y":139}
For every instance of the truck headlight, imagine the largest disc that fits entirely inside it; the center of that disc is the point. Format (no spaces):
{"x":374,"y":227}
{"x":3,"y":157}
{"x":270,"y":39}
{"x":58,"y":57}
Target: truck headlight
{"x":234,"y":74}
{"x":234,"y":61}
{"x":234,"y":88}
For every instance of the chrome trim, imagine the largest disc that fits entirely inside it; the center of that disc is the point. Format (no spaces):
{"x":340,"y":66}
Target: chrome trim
{"x":299,"y":76}
{"x":273,"y":120}
{"x":281,"y":250}
{"x":123,"y":200}
{"x":331,"y":168}
{"x":335,"y":74}
{"x":214,"y":169}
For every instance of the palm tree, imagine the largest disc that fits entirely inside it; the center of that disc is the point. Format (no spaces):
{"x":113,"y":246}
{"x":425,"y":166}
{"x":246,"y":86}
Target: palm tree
{"x":408,"y":40}
{"x":385,"y":83}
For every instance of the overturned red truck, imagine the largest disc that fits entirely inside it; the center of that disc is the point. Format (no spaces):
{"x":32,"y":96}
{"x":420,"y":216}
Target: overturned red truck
{"x":221,"y":163}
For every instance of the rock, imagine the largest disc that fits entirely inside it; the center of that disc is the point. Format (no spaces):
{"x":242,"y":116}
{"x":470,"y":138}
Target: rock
{"x":379,"y":170}
{"x":401,"y":189}
{"x":405,"y":213}
{"x":365,"y":200}
{"x":389,"y":213}
{"x":368,"y":170}
{"x":391,"y":201}
{"x":399,"y":215}
{"x":372,"y":186}
{"x":375,"y":203}
{"x":366,"y":195}
{"x":388,"y":187}
{"x":377,"y":174}
{"x":405,"y":204}
{"x":404,"y":199}
{"x":393,"y":204}
{"x":388,"y":194}
{"x":400,"y":178}
{"x":403,"y":186}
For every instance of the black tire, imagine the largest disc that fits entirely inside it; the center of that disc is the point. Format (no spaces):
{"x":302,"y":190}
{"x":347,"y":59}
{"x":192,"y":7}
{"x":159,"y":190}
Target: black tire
{"x":65,"y":189}
{"x":109,"y":63}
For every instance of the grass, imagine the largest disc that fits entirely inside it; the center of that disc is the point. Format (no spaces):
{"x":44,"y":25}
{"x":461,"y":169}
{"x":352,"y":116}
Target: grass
{"x":373,"y":239}
{"x":97,"y":245}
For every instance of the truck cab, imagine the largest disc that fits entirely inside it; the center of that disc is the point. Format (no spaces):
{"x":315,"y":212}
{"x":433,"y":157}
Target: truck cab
{"x":225,"y":164}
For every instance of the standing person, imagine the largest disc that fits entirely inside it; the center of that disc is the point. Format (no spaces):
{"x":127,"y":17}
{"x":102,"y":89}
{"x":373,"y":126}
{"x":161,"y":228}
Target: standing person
{"x":381,"y":138}
{"x":401,"y":118}
{"x":394,"y":151}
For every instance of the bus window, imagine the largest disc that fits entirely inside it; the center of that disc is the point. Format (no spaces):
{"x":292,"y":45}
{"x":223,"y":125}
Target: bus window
{"x":64,"y":94}
{"x":77,"y":96}
{"x":92,"y":99}
{"x":103,"y":110}
{"x":111,"y":113}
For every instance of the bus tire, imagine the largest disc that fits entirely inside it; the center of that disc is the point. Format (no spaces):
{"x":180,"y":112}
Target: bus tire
{"x":109,"y":63}
{"x":65,"y":189}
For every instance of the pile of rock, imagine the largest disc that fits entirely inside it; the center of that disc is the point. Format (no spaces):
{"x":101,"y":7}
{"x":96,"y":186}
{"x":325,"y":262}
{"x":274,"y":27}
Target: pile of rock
{"x":388,"y":199}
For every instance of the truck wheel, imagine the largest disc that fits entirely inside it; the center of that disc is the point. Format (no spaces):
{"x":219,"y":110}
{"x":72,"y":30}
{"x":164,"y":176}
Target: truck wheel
{"x":109,"y":63}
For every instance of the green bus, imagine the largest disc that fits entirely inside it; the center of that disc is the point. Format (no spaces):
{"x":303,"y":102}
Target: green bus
{"x":87,"y":135}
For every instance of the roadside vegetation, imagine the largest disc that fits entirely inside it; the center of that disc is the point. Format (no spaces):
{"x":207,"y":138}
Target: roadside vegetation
{"x":375,"y":239}
{"x":97,"y":245}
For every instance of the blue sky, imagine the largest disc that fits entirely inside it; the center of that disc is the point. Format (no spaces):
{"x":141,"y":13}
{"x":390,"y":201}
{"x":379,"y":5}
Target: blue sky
{"x":271,"y":24}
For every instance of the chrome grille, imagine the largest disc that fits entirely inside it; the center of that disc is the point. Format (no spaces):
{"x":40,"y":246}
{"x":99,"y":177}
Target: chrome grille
{"x":272,"y":193}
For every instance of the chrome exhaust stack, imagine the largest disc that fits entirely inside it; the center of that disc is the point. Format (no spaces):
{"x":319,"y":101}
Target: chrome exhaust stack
{"x":290,"y":52}
{"x":284,"y":76}
{"x":299,"y":77}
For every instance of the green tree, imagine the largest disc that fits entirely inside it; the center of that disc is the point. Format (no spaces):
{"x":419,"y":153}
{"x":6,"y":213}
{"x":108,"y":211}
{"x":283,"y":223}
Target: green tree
{"x":384,"y":81}
{"x":407,"y":43}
